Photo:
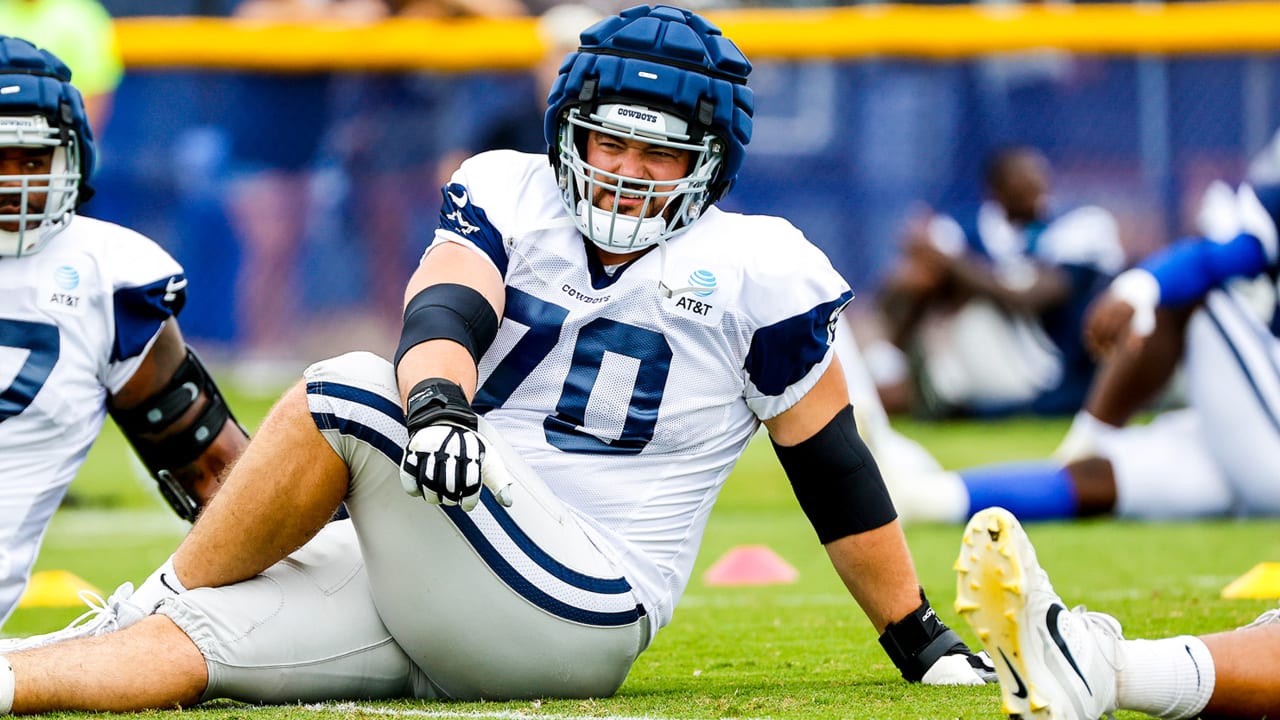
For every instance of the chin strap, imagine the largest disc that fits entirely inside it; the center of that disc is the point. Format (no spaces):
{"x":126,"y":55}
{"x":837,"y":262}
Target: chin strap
{"x":666,"y":290}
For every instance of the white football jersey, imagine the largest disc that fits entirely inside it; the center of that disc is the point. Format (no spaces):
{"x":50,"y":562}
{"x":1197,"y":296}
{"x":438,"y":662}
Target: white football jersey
{"x":633,"y":390}
{"x":76,"y":319}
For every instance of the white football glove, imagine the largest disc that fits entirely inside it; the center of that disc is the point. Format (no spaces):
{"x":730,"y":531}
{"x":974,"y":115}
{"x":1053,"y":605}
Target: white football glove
{"x":442,"y":464}
{"x":447,"y":464}
{"x":444,"y":461}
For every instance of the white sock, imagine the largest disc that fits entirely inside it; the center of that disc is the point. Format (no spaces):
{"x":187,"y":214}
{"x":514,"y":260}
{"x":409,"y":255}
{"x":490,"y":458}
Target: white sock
{"x":1171,"y":678}
{"x":160,"y":586}
{"x":6,"y":686}
{"x":1083,"y":439}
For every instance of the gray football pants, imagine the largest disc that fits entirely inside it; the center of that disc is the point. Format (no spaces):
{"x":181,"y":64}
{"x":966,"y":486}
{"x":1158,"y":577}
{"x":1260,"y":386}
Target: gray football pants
{"x":498,"y":603}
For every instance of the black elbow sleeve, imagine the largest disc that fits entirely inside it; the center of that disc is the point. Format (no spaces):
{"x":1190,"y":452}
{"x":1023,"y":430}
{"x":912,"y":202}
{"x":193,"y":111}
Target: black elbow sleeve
{"x":837,"y":481}
{"x":452,"y":312}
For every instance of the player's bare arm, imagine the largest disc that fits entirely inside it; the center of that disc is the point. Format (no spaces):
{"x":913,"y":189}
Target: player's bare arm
{"x":1044,"y":288}
{"x":869,"y":562}
{"x":836,"y":480}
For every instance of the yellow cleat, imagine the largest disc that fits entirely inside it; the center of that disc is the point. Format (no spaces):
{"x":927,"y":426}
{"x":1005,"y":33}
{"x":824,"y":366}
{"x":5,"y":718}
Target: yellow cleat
{"x":1053,"y":664}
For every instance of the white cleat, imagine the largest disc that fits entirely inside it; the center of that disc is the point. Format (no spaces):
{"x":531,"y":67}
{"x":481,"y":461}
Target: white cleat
{"x":1269,"y":617}
{"x":102,"y":617}
{"x":1053,"y":664}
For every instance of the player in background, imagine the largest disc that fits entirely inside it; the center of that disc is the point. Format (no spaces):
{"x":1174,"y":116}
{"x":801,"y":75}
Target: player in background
{"x":1207,"y":303}
{"x":1060,"y":664}
{"x":87,"y":327}
{"x":983,"y":309}
{"x":566,"y":458}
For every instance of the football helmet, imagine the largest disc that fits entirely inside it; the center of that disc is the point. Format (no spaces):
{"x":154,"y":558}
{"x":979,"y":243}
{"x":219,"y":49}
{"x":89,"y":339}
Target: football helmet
{"x":40,"y":108}
{"x":664,"y":76}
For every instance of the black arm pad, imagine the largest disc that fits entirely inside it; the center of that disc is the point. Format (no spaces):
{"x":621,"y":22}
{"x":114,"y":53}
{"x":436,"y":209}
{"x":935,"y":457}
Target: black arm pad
{"x":161,"y":411}
{"x":836,"y":480}
{"x":915,"y":642}
{"x":450,"y":312}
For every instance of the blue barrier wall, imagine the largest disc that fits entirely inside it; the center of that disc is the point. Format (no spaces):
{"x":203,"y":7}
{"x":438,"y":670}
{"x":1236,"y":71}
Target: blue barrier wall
{"x":844,"y":150}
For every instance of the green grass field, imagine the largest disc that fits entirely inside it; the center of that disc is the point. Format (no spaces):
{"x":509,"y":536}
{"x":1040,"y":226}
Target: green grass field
{"x":794,"y":651}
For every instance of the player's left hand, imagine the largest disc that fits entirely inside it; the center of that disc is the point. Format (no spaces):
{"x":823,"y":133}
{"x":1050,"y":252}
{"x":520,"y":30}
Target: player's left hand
{"x":442,"y":463}
{"x":445,"y":461}
{"x":926,"y":651}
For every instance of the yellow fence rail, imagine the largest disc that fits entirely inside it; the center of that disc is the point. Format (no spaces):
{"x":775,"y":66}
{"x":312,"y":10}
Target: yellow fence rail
{"x":931,"y":32}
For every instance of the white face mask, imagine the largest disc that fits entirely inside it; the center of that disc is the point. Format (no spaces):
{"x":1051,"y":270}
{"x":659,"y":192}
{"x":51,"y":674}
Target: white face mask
{"x":616,"y":232}
{"x":682,"y":199}
{"x":60,"y":186}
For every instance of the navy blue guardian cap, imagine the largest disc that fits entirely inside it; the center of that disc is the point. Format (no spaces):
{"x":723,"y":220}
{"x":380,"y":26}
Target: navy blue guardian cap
{"x":664,"y":76}
{"x":40,"y":108}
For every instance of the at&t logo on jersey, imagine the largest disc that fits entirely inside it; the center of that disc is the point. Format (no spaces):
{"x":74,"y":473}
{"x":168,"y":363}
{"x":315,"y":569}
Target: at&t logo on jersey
{"x":66,"y":277}
{"x":694,"y":300}
{"x":65,"y":280}
{"x":697,"y":307}
{"x":703,"y":279}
